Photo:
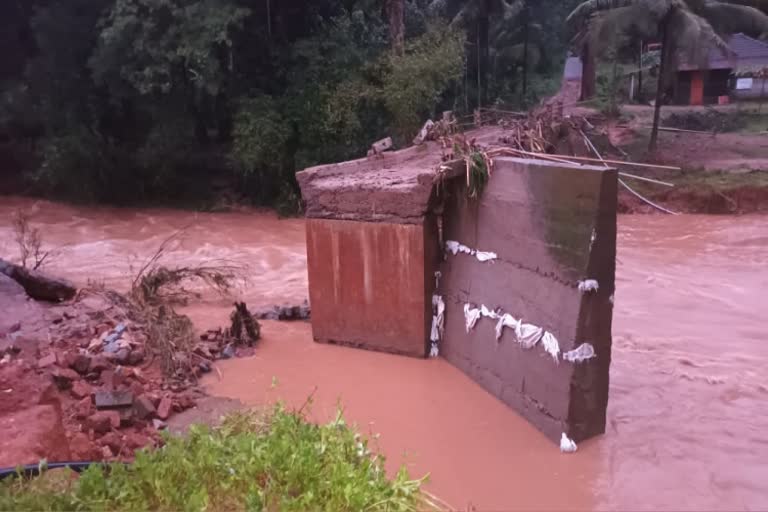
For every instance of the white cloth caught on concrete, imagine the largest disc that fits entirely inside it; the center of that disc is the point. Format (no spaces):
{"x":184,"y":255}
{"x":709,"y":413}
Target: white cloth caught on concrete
{"x":567,"y":445}
{"x":588,"y":285}
{"x":488,"y":313}
{"x":485,"y":255}
{"x":505,"y":320}
{"x":455,"y":247}
{"x":470,"y":316}
{"x":579,"y":354}
{"x":551,"y":345}
{"x":438,"y":320}
{"x":528,"y":334}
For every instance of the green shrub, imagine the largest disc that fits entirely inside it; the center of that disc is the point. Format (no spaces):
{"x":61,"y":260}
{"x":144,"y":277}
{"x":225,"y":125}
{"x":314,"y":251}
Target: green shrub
{"x":83,"y":166}
{"x":277,"y":461}
{"x":416,"y":80}
{"x":260,"y":135}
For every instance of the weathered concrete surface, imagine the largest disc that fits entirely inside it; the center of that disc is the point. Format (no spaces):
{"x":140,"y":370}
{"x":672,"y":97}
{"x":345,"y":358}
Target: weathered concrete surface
{"x":394,"y":186}
{"x":370,"y":283}
{"x":390,"y":187}
{"x":539,"y":218}
{"x":371,"y":238}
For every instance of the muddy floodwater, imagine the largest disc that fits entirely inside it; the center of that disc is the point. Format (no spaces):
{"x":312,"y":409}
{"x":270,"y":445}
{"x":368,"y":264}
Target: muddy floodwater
{"x":688,"y":409}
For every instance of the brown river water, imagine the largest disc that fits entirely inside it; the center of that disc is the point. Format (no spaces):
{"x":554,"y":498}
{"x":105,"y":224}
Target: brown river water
{"x":688,"y":410}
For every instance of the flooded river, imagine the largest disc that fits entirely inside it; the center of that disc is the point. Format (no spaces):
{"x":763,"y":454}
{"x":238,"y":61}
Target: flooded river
{"x":688,"y":409}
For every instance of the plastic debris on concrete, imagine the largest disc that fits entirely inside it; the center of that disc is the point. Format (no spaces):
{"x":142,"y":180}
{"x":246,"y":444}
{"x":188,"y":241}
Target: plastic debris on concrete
{"x":588,"y":285}
{"x":455,"y":247}
{"x":438,"y":320}
{"x":567,"y":445}
{"x":551,"y":345}
{"x":579,"y":354}
{"x":505,"y":320}
{"x":528,"y":334}
{"x":470,"y":316}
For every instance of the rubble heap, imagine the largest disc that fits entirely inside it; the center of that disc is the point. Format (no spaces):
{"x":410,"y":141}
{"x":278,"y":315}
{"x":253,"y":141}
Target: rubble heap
{"x":86,"y":371}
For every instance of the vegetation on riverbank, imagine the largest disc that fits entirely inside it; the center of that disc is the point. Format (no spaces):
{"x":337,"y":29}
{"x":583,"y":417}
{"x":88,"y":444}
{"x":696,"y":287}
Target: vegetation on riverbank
{"x":276,"y":461}
{"x":703,"y":192}
{"x":213,"y":102}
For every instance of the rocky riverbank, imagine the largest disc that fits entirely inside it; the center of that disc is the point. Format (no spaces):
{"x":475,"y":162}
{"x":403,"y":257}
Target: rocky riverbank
{"x":80,"y":380}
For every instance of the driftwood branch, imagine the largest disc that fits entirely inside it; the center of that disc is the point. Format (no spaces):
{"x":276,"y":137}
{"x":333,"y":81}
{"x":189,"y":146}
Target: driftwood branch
{"x":37,"y":285}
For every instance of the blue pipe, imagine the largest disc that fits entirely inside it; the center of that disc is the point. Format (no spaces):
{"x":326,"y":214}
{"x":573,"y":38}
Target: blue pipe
{"x":30,"y":470}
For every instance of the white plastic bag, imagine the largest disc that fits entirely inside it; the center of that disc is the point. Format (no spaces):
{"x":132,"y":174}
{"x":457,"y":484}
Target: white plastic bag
{"x":485,"y":255}
{"x":470,"y":316}
{"x":579,"y":354}
{"x":506,"y":320}
{"x":567,"y":445}
{"x":528,"y":334}
{"x":588,"y":285}
{"x":551,"y":345}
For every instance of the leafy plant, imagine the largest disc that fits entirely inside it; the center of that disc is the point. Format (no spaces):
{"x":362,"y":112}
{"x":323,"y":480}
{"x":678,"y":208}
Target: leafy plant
{"x":414,"y":81}
{"x":477,"y":162}
{"x":274,"y":461}
{"x":260,"y":135}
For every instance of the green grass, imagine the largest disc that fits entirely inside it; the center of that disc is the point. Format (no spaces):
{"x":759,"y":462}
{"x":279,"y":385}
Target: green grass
{"x":723,"y":182}
{"x":720,"y":180}
{"x":275,"y":461}
{"x":756,"y":123}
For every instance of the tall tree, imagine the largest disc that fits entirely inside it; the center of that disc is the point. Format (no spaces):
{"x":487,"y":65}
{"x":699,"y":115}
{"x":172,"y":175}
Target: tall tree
{"x":396,"y":18}
{"x":477,"y":17}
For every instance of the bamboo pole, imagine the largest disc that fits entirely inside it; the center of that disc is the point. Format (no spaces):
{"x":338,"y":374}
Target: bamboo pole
{"x":649,"y":180}
{"x":616,"y":162}
{"x":623,"y":184}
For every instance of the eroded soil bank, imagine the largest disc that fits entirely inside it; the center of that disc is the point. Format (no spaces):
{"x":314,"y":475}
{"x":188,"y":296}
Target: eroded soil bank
{"x":686,"y":409}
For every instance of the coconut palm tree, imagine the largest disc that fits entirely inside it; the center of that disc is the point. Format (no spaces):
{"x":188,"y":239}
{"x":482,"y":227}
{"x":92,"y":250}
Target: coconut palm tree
{"x":476,"y":16}
{"x":395,"y":10}
{"x":519,"y":44}
{"x":686,"y":28}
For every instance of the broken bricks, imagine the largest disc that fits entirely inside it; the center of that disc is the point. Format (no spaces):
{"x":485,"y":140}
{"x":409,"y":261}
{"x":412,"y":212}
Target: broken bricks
{"x":143,"y":407}
{"x":47,"y":361}
{"x":164,"y":408}
{"x":81,"y":390}
{"x":81,"y":363}
{"x":103,"y":421}
{"x":106,"y":399}
{"x":63,"y":378}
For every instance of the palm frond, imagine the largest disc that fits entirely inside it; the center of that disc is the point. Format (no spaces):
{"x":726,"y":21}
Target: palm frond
{"x":617,"y":28}
{"x":761,"y":5}
{"x":511,"y":10}
{"x":437,"y":8}
{"x":692,"y":39}
{"x":578,"y":18}
{"x":728,"y":18}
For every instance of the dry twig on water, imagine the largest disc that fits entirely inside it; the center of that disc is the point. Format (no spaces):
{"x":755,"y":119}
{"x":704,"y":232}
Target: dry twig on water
{"x":30,"y":242}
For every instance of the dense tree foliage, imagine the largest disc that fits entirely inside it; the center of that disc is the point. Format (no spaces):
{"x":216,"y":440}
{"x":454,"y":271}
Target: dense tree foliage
{"x":139,"y":100}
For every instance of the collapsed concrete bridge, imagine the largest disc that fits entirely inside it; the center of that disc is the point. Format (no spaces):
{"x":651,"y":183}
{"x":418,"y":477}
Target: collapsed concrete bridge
{"x":514,"y":287}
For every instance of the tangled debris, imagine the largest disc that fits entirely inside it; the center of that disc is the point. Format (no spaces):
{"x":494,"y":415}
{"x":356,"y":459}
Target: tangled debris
{"x":286,"y":312}
{"x":114,"y":384}
{"x":541,"y":132}
{"x":245,"y":330}
{"x":162,"y":285}
{"x":115,"y":366}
